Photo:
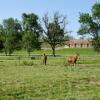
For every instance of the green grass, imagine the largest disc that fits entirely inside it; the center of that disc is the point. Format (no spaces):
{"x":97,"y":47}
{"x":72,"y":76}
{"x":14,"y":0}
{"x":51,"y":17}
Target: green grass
{"x":29,"y":80}
{"x":67,"y":51}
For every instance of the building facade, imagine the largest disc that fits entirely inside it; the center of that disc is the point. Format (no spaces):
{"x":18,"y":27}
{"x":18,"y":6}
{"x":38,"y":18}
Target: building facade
{"x":78,"y":44}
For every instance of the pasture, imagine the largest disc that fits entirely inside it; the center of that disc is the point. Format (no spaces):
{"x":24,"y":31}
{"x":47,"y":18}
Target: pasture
{"x":27,"y":79}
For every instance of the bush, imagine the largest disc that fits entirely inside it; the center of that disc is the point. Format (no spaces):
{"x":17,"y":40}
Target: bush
{"x":32,"y":58}
{"x":28,"y":63}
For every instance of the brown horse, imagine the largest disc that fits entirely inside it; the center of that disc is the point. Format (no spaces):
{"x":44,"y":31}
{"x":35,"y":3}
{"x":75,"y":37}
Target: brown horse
{"x":44,"y":59}
{"x":73,"y":59}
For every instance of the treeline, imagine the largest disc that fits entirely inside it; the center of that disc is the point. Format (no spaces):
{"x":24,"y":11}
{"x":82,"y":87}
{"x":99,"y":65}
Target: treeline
{"x":29,"y":33}
{"x":15,"y":34}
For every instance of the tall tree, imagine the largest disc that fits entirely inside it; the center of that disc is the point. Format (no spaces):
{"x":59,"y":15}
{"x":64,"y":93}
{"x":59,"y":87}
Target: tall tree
{"x":12,"y":29}
{"x":28,"y":41}
{"x":1,"y":37}
{"x":90,"y":24}
{"x":54,"y":30}
{"x":32,"y":32}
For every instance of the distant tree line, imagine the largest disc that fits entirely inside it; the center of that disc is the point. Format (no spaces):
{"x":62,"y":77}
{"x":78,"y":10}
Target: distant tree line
{"x":29,"y":33}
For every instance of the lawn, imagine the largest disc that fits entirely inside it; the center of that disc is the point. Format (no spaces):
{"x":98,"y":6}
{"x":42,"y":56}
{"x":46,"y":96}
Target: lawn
{"x":64,"y":52}
{"x":27,"y":79}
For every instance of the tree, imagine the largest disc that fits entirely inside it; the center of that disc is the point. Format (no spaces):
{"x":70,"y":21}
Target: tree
{"x":11,"y":31}
{"x":28,"y":41}
{"x":32,"y":32}
{"x":17,"y":35}
{"x":1,"y":37}
{"x":9,"y":44}
{"x":54,"y":30}
{"x":90,"y":24}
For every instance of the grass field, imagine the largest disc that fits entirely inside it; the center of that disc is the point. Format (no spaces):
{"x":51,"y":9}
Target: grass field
{"x":69,"y":51}
{"x":64,"y":52}
{"x":27,"y":79}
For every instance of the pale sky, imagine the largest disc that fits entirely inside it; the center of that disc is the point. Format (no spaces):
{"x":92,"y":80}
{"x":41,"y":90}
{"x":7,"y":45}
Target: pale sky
{"x":70,"y":8}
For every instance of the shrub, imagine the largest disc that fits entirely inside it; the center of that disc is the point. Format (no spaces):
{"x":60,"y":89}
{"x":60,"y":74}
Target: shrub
{"x":28,"y":63}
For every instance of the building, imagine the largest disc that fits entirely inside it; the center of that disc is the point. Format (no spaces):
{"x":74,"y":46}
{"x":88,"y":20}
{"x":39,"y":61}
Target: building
{"x":81,"y":43}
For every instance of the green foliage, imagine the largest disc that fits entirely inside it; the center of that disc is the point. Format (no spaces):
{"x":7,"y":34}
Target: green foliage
{"x":9,"y":44}
{"x":29,"y":21}
{"x":1,"y":37}
{"x":54,"y":30}
{"x":32,"y":32}
{"x":28,"y":41}
{"x":90,"y":24}
{"x":96,"y":10}
{"x":11,"y":34}
{"x":85,"y":18}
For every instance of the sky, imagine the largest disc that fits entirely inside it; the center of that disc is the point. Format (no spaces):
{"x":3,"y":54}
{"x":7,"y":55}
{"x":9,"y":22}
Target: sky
{"x":69,"y":8}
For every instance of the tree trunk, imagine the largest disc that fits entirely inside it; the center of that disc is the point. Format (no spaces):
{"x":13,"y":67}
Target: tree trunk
{"x":6,"y":52}
{"x":29,"y":52}
{"x":97,"y":43}
{"x":53,"y":51}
